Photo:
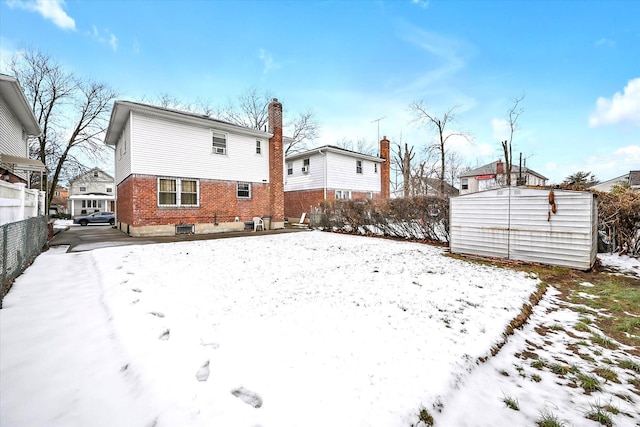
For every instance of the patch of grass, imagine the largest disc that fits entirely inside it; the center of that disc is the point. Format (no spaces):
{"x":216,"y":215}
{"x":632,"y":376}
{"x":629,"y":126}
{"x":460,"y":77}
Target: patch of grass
{"x":589,"y":382}
{"x":585,"y":320}
{"x":599,"y":415}
{"x":630,"y":325}
{"x":425,"y":417}
{"x":603,"y":342}
{"x":538,"y":364}
{"x":557,"y":327}
{"x":559,"y":369}
{"x":607,"y":361}
{"x":625,"y":397}
{"x":582,"y":327}
{"x":612,"y":409}
{"x":511,"y":402}
{"x":537,"y":378}
{"x":629,"y":364}
{"x":582,"y":342}
{"x":597,"y":353}
{"x":548,"y":419}
{"x":607,"y":374}
{"x":635,"y":382}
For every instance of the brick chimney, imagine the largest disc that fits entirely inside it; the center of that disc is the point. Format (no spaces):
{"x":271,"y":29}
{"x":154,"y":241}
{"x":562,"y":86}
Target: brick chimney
{"x":385,"y":168}
{"x":499,"y":167}
{"x":276,"y":165}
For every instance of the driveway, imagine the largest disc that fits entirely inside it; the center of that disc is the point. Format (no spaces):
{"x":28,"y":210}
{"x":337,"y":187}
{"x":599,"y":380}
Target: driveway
{"x":94,"y":236}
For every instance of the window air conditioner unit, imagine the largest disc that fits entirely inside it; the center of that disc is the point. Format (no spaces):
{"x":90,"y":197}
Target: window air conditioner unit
{"x":305,"y":169}
{"x":220,"y":150}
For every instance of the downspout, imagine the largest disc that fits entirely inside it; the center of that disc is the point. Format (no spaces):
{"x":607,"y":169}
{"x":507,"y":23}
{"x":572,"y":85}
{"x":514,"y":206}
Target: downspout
{"x":324,"y":186}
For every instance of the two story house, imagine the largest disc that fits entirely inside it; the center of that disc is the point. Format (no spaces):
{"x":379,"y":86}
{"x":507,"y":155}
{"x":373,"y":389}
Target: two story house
{"x":92,"y":191}
{"x":179,"y":172}
{"x":328,"y":172}
{"x":493,"y":175}
{"x":17,"y":124}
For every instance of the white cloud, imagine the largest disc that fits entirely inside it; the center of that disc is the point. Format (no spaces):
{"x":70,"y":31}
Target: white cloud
{"x":501,"y":129}
{"x":422,"y":3}
{"x":49,"y":9}
{"x":622,"y":108}
{"x":104,"y":37}
{"x":605,"y":42}
{"x":268,"y":62}
{"x":113,"y":41}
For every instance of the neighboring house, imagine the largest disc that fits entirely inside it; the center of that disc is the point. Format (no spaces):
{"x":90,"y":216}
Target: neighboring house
{"x":631,"y":179}
{"x":90,"y":192}
{"x":179,"y":172}
{"x":17,"y":124}
{"x":60,"y":199}
{"x":328,"y":173}
{"x":493,"y":175}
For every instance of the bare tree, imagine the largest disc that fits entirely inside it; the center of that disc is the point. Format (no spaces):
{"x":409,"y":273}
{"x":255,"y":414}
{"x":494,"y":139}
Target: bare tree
{"x":361,"y":145}
{"x":403,"y":158}
{"x":72,"y":112}
{"x":514,"y":114}
{"x":439,"y":124}
{"x":251,"y":110}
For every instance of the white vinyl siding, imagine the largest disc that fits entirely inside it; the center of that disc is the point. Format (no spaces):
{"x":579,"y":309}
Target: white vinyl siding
{"x":299,"y":180}
{"x":13,"y":138}
{"x":163,"y":147}
{"x":124,"y":150}
{"x":341,"y":173}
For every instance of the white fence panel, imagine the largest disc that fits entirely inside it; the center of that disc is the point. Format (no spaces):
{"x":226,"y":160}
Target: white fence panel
{"x":18,"y":202}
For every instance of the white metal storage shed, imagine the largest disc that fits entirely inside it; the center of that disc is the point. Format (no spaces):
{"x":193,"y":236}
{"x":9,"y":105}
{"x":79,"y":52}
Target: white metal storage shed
{"x":523,"y":224}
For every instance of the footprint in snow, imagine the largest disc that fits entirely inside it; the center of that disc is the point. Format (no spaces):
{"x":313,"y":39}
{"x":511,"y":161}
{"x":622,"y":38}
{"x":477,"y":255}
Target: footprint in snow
{"x":247,"y":396}
{"x":156,"y":313}
{"x":165,"y":335}
{"x":213,"y":345}
{"x":203,"y":372}
{"x":136,"y":290}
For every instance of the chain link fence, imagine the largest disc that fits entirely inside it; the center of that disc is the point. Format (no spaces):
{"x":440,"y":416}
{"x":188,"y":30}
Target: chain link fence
{"x":20,"y":243}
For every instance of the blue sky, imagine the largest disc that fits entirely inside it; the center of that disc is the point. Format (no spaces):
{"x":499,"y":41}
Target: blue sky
{"x":352,"y":62}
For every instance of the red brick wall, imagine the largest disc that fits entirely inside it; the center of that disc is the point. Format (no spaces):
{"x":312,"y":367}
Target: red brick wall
{"x":138,"y":203}
{"x":297,"y":202}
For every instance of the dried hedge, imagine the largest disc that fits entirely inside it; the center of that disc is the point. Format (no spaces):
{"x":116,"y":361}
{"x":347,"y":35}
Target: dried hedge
{"x":415,"y":218}
{"x":619,"y":221}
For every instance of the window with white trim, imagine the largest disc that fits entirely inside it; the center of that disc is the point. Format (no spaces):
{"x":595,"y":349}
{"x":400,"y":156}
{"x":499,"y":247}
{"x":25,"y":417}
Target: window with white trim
{"x":83,"y":189}
{"x":95,"y":174}
{"x":375,"y":168}
{"x":289,"y":168}
{"x":178,"y":192}
{"x":358,"y":166}
{"x":258,"y":148}
{"x":109,"y":190}
{"x":343,"y":194}
{"x":219,"y":142}
{"x":464,"y":184}
{"x":305,"y":166}
{"x":244,"y":190}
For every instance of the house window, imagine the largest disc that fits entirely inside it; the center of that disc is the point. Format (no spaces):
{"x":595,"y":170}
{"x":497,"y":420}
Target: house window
{"x":370,"y":195}
{"x":305,"y":166}
{"x":244,"y":190}
{"x":83,"y":189}
{"x":177,"y":192}
{"x":358,"y":166}
{"x":343,"y":194}
{"x":465,"y":184}
{"x":289,"y":168}
{"x":375,"y":167}
{"x":95,"y":174}
{"x":58,"y":193}
{"x":84,"y":203}
{"x":109,"y":190}
{"x":219,"y":141}
{"x":258,"y":149}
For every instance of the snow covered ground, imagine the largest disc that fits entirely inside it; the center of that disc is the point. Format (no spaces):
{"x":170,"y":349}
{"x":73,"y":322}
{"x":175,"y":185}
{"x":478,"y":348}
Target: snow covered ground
{"x":304,"y":329}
